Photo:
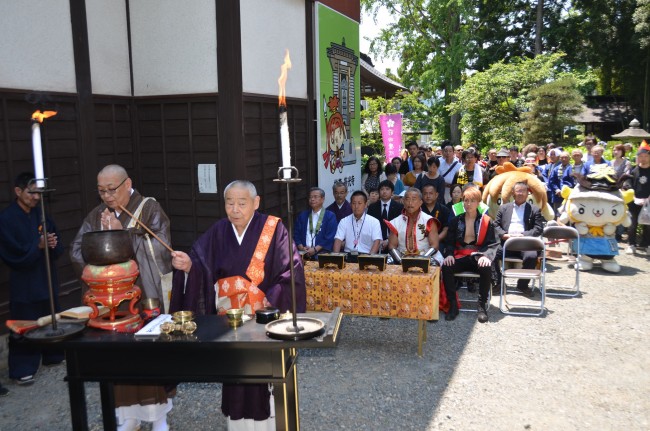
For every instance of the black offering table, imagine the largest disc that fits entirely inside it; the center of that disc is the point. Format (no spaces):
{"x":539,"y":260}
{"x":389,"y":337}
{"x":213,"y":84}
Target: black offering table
{"x":214,"y":353}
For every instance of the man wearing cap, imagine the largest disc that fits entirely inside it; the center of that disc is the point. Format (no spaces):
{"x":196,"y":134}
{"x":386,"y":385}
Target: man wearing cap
{"x":641,"y":185}
{"x":502,"y":156}
{"x":448,"y":167}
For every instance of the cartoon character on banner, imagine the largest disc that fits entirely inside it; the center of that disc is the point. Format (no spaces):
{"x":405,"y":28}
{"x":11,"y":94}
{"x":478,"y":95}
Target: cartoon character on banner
{"x":499,"y":189}
{"x":336,"y":137}
{"x":596,"y":206}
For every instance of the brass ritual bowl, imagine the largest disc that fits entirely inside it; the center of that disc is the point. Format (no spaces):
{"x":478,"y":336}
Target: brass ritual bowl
{"x":183,"y":316}
{"x":235,"y":317}
{"x":106,"y":247}
{"x":150,"y":303}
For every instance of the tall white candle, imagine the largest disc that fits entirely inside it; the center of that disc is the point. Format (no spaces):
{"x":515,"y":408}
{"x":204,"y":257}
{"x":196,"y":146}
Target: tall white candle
{"x":38,"y":154}
{"x":285,"y":142}
{"x":284,"y":124}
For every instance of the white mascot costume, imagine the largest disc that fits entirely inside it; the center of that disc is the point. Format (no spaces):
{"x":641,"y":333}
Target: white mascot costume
{"x":595,"y":207}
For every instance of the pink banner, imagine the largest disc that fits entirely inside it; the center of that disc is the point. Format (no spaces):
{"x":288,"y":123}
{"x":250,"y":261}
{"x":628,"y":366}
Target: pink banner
{"x":391,"y":133}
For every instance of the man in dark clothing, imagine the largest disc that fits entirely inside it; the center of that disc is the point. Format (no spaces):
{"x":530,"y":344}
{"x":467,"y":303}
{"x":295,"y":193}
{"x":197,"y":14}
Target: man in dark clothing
{"x":516,"y":219}
{"x":641,"y":185}
{"x":22,"y":247}
{"x":340,"y":207}
{"x":407,"y":165}
{"x":432,"y":207}
{"x":385,"y":209}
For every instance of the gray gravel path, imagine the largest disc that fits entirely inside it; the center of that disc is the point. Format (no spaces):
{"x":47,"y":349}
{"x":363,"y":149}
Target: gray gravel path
{"x":583,"y":366}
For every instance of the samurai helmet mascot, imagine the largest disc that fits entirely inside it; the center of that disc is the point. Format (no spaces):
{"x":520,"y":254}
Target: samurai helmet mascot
{"x":499,"y":189}
{"x":596,"y":206}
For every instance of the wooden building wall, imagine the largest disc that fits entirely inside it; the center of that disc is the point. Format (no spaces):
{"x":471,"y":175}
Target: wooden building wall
{"x":159,"y":141}
{"x":160,"y":136}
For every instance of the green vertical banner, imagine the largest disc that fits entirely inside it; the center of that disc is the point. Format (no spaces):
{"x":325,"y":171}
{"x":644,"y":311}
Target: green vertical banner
{"x":338,"y":95}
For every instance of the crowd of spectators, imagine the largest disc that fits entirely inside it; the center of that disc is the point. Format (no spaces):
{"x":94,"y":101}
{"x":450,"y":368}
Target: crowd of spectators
{"x":439,"y":190}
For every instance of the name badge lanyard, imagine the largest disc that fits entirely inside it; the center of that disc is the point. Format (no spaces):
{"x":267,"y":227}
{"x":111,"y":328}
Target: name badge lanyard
{"x":354,"y":231}
{"x":313,"y":232}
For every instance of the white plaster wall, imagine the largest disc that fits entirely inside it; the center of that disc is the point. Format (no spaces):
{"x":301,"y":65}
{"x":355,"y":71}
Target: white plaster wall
{"x":268,"y":28}
{"x":174,"y":46}
{"x":36,"y":49}
{"x":109,"y":47}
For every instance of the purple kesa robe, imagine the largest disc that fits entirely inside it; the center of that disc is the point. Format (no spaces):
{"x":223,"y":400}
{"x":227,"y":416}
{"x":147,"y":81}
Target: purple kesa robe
{"x":217,"y":254}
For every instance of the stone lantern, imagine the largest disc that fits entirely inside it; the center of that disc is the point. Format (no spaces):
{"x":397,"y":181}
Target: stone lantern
{"x":634,"y":133}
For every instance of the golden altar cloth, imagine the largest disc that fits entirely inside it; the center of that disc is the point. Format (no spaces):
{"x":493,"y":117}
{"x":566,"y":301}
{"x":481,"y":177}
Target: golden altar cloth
{"x":390,"y":293}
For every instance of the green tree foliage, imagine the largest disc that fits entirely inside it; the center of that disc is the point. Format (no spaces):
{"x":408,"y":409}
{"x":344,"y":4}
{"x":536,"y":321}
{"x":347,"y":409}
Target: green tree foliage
{"x":600,"y":34}
{"x":415,"y":116}
{"x":641,"y":20}
{"x":552,"y":108}
{"x":441,"y":42}
{"x":492,"y":102}
{"x":508,"y":30}
{"x":431,"y":38}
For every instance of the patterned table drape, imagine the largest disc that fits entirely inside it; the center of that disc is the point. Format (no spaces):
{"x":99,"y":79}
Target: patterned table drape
{"x":391,"y":293}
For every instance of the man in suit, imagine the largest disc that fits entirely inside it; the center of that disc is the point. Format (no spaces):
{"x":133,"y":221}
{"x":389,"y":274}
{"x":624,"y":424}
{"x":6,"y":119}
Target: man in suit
{"x":385,"y":209}
{"x":315,"y":228}
{"x":516,"y":219}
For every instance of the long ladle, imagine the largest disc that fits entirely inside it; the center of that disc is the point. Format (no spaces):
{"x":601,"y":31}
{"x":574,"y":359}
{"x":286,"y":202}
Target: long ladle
{"x":144,"y":226}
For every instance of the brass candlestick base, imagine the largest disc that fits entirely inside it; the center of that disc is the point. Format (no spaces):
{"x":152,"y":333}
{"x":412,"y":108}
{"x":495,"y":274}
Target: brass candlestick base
{"x":293,"y":331}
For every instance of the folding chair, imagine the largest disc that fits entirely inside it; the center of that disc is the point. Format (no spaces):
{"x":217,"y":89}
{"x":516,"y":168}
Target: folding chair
{"x":523,"y":244}
{"x":467,"y":275}
{"x":571,"y":235}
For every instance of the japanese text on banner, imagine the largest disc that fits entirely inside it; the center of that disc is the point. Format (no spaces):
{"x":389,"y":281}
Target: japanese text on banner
{"x":391,"y":133}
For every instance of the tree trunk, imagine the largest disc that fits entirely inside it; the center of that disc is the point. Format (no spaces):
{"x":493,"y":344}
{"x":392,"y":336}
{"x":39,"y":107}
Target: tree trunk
{"x":538,"y":27}
{"x":646,"y":87}
{"x":454,"y":130}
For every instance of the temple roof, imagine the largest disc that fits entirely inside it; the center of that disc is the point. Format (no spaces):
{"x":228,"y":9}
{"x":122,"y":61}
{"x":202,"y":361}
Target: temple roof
{"x":605,"y":109}
{"x":375,"y":83}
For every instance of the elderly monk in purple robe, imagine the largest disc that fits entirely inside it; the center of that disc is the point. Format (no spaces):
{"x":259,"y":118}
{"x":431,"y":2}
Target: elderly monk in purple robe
{"x":226,"y":251}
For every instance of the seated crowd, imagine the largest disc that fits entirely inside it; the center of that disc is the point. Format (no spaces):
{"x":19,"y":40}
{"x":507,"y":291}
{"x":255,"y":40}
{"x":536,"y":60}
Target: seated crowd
{"x":423,"y":203}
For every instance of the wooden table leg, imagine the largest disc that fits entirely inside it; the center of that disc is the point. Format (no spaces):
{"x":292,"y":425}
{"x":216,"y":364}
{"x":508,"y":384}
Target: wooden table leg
{"x":78,"y":413}
{"x":422,"y":335}
{"x":107,"y":396}
{"x":286,"y":400}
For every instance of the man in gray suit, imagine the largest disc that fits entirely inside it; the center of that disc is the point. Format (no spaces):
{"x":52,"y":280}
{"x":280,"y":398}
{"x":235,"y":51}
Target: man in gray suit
{"x":519,"y":218}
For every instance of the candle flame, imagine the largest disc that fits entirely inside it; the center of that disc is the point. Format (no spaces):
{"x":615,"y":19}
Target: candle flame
{"x":282,"y":80}
{"x":40,"y":116}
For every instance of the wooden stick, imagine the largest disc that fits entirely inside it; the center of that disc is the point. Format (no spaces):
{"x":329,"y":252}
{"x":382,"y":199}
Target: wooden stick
{"x":147,"y":229}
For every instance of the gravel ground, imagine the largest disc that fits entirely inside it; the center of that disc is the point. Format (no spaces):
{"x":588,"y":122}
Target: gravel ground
{"x":582,"y":366}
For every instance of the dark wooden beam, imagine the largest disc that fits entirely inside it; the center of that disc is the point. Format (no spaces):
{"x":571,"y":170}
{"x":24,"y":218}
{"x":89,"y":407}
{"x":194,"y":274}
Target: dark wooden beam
{"x":312,"y":144}
{"x":85,"y":112}
{"x":231,"y":143}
